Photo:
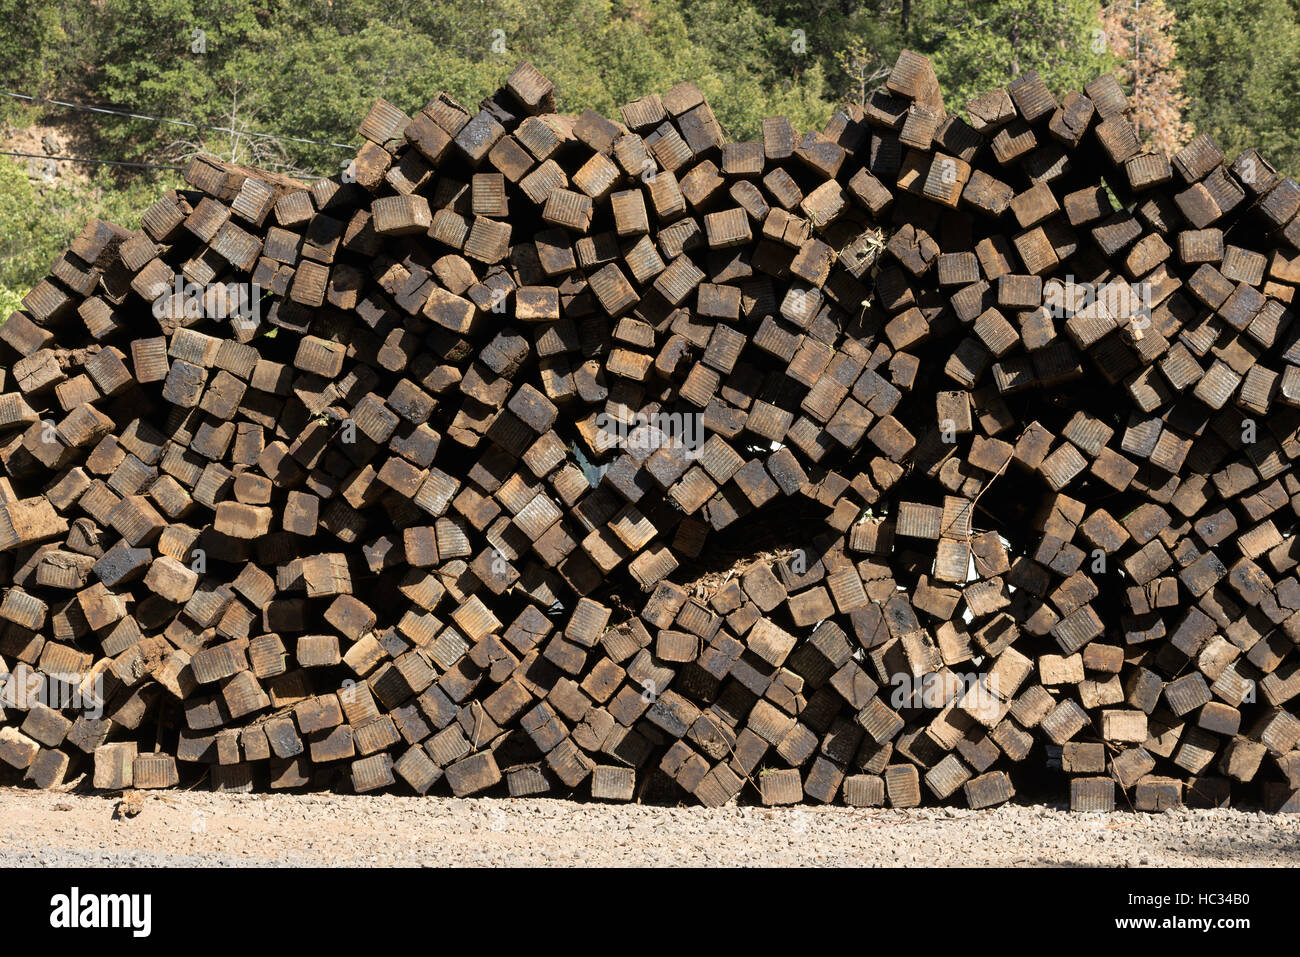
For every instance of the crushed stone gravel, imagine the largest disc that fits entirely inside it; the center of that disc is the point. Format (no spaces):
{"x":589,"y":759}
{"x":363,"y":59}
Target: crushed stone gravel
{"x":184,"y":828}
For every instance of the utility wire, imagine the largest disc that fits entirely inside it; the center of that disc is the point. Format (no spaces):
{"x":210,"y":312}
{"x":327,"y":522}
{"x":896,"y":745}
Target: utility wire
{"x":83,"y":159}
{"x":87,"y":159}
{"x":162,"y":119}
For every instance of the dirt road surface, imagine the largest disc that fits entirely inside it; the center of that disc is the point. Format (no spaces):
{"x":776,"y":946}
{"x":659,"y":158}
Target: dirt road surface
{"x":199,"y":828}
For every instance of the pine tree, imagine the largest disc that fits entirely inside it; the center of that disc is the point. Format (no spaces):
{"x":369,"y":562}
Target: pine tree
{"x":979,"y":44}
{"x":1140,"y":33}
{"x":1244,"y":89}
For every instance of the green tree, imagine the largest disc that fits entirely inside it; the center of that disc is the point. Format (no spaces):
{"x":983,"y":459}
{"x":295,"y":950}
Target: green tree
{"x":312,"y":69}
{"x":43,"y":43}
{"x":1239,"y":57}
{"x":984,"y":43}
{"x":185,"y":59}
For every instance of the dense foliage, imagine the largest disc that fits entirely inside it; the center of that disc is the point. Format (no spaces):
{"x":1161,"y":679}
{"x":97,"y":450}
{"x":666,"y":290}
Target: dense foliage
{"x":310,"y":68}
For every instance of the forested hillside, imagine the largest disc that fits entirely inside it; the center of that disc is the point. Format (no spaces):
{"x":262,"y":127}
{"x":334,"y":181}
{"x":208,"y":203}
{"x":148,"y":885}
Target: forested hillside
{"x":309,"y":69}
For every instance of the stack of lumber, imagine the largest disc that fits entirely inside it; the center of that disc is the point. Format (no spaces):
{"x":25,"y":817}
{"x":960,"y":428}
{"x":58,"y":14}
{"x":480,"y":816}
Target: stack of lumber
{"x":895,"y":463}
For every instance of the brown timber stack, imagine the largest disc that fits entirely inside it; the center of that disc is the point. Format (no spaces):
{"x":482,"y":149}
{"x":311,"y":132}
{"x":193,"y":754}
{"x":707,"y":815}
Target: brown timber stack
{"x":416,"y":527}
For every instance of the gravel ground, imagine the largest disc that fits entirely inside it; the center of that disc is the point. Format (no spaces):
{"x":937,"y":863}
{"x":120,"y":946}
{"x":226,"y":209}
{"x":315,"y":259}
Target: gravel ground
{"x":192,"y":828}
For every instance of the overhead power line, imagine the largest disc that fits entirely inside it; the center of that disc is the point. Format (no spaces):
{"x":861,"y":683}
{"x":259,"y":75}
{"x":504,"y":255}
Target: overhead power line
{"x":86,"y":159}
{"x":128,"y":114}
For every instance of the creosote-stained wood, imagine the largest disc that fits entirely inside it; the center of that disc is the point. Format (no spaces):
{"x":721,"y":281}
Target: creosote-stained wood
{"x":598,"y":455}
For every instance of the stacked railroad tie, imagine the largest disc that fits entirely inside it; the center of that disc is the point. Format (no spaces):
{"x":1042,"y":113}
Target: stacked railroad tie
{"x":430,"y":476}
